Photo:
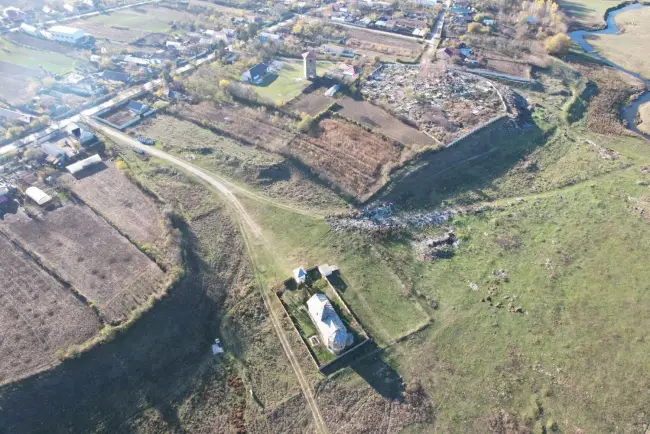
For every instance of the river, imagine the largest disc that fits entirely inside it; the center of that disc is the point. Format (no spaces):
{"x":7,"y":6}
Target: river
{"x":629,"y":112}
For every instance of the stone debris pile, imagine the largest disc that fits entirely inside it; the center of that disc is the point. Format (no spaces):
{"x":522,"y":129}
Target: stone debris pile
{"x":381,"y":216}
{"x":445,"y":104}
{"x":432,"y":248}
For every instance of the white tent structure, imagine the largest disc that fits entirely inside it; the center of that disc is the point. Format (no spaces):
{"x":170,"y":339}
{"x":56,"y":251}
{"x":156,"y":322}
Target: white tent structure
{"x":38,"y":195}
{"x":330,"y":327}
{"x":81,"y":165}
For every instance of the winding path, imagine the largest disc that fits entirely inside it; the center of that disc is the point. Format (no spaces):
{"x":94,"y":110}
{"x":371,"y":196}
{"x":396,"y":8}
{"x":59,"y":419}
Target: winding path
{"x":250,"y":230}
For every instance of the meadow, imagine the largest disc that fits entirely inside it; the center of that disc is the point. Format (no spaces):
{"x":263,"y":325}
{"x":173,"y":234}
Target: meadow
{"x":35,"y":59}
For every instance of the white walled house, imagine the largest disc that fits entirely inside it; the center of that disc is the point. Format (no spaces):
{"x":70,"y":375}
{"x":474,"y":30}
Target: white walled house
{"x":68,"y":35}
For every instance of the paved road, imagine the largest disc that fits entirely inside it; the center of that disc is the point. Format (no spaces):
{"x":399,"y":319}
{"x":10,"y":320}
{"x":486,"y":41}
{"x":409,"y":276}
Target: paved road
{"x":436,"y":36}
{"x":120,"y":97}
{"x":251,"y":231}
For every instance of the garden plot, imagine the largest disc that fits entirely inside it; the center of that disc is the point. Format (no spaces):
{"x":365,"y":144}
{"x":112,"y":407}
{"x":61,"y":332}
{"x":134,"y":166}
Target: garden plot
{"x":348,"y":157}
{"x":383,"y":122}
{"x":312,"y":103}
{"x":390,"y":47}
{"x":38,"y":315}
{"x":111,"y":193}
{"x":446,"y":105}
{"x":92,"y":256}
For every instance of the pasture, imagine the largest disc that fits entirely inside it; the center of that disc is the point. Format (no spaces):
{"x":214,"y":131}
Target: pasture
{"x":587,"y":14}
{"x":130,"y":24}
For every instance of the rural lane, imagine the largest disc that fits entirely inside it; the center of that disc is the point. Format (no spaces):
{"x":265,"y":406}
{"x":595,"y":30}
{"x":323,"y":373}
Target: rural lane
{"x":250,"y":229}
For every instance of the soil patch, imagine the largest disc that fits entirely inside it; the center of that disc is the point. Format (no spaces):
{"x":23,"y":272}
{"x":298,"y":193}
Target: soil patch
{"x":91,"y":255}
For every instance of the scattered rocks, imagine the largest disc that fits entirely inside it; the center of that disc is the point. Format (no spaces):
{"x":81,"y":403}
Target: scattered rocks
{"x":441,"y":247}
{"x":384,"y":216}
{"x":605,"y":153}
{"x":500,"y":274}
{"x":474,"y":287}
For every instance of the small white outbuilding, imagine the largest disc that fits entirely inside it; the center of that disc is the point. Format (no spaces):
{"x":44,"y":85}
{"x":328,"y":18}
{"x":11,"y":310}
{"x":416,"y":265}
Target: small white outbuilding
{"x":300,"y":275}
{"x":38,"y":195}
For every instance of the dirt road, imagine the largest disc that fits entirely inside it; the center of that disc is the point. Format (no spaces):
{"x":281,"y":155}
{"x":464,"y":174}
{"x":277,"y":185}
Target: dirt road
{"x":250,"y":230}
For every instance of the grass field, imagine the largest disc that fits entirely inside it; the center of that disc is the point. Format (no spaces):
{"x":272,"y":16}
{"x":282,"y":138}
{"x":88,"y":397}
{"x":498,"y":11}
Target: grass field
{"x":288,"y":82}
{"x":628,"y":49}
{"x":579,"y":338}
{"x":130,"y":24}
{"x":52,"y":62}
{"x":588,"y":14}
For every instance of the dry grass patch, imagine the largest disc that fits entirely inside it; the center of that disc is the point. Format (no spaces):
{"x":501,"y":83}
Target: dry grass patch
{"x":255,"y":126}
{"x":87,"y":252}
{"x":38,"y":316}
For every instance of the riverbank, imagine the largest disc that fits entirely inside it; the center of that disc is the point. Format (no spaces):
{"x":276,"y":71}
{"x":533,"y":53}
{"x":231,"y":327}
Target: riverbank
{"x":611,"y":98}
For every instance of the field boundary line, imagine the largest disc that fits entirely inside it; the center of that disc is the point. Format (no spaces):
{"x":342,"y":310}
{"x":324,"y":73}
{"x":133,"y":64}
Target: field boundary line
{"x":129,"y":238}
{"x":56,"y":276}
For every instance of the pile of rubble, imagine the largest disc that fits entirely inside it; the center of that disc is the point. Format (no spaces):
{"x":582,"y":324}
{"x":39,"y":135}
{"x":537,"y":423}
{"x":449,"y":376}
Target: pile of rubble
{"x":445,"y":104}
{"x":431,"y":248}
{"x":381,"y":216}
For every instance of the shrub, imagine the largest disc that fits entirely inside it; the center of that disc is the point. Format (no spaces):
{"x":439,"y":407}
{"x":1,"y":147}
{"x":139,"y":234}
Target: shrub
{"x":558,"y":45}
{"x":474,"y":28}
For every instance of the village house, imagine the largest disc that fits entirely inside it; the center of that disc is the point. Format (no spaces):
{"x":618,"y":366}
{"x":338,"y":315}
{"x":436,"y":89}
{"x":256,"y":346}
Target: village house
{"x":67,"y":35}
{"x":116,"y":76}
{"x":80,"y":133}
{"x":264,"y":37}
{"x":256,"y":74}
{"x":137,"y":108}
{"x":13,"y":117}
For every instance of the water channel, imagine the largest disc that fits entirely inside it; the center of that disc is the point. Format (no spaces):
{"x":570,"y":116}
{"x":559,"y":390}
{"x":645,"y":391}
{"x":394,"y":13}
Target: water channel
{"x":629,"y":112}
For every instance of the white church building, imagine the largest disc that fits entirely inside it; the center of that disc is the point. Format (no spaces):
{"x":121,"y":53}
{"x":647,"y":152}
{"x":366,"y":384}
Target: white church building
{"x":330,"y":327}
